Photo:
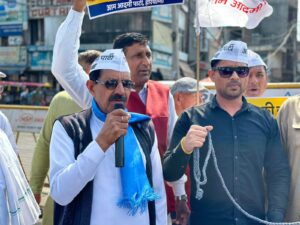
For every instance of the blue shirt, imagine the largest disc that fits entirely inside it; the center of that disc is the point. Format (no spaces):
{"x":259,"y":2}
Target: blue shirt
{"x":250,"y":157}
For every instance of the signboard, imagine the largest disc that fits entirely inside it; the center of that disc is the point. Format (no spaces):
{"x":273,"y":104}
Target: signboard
{"x":270,"y":104}
{"x":163,"y":14}
{"x":41,"y":12}
{"x":273,"y":89}
{"x":41,"y":60}
{"x":41,"y":8}
{"x":162,"y":60}
{"x":13,"y":16}
{"x":97,"y":8}
{"x":10,"y":29}
{"x":25,"y":119}
{"x":162,"y":43}
{"x":13,"y":56}
{"x":15,"y":40}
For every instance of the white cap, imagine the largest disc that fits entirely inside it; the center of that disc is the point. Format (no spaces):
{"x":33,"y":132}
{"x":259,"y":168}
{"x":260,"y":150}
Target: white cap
{"x":112,"y":59}
{"x":255,"y":59}
{"x":2,"y":75}
{"x":233,"y":51}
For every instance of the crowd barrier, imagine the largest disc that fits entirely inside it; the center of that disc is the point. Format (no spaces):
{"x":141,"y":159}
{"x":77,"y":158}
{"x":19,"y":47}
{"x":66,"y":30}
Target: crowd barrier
{"x":30,"y":118}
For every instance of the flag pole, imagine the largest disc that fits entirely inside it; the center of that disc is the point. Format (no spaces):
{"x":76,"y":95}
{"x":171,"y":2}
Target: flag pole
{"x":198,"y":45}
{"x":198,"y":41}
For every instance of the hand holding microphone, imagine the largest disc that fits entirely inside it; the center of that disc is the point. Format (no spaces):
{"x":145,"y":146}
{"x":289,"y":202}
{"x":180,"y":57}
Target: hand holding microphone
{"x":115,"y":126}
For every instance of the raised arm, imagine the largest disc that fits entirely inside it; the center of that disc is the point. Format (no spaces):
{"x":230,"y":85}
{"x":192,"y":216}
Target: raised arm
{"x":65,"y":66}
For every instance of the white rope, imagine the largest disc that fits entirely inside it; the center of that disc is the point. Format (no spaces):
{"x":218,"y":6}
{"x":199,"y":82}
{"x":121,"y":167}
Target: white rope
{"x":197,"y":172}
{"x":211,"y":151}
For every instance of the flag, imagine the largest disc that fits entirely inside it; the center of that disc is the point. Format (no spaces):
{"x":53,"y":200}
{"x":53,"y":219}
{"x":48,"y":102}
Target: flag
{"x":97,"y":8}
{"x":241,"y":13}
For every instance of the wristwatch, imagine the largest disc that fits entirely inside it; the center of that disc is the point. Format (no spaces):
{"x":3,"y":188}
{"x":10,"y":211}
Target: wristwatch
{"x":181,"y":197}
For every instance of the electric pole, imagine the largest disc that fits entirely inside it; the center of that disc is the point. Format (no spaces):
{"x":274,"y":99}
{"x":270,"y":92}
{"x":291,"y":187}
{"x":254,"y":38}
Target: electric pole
{"x":175,"y":45}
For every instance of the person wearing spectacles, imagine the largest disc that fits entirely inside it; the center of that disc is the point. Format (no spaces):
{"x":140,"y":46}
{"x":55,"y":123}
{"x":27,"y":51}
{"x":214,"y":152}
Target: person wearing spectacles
{"x":247,"y":144}
{"x":258,"y":75}
{"x":112,"y":84}
{"x":85,"y":183}
{"x":148,"y":97}
{"x":61,"y":104}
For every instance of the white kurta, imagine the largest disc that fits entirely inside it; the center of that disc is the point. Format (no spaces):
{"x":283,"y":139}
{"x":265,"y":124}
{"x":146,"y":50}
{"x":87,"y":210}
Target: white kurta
{"x":69,"y":176}
{"x":5,"y":126}
{"x":3,"y":200}
{"x":17,"y":203}
{"x":289,"y":125}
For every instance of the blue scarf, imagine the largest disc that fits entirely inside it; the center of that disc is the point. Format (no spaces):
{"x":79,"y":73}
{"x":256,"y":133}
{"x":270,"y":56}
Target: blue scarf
{"x":135,"y":185}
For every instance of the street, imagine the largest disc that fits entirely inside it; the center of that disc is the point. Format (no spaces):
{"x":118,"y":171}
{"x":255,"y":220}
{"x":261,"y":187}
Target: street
{"x":26,"y":144}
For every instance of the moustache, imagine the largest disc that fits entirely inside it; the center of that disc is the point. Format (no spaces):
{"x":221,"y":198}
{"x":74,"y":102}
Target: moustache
{"x":233,"y":83}
{"x":117,"y":97}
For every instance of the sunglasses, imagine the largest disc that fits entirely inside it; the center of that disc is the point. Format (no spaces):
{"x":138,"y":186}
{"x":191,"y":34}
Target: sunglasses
{"x":113,"y":84}
{"x":227,"y":72}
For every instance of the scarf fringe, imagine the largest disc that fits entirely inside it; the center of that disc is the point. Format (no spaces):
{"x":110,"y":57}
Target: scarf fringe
{"x":138,"y":202}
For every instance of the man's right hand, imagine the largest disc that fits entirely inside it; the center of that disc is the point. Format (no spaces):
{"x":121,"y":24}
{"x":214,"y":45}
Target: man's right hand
{"x":195,"y":137}
{"x":115,"y":126}
{"x":79,"y":5}
{"x":182,"y":212}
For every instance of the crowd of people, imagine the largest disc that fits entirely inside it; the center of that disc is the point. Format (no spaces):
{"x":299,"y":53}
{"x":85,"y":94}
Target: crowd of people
{"x":166,"y":135}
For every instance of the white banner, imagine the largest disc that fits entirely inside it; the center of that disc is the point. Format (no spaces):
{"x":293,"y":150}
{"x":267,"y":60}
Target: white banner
{"x":97,"y":8}
{"x":29,"y":119}
{"x":241,"y":13}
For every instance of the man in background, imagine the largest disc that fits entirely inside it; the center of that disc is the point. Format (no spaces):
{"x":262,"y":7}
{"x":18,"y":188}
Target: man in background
{"x":184,"y":92}
{"x":258,"y":75}
{"x":289,"y":124}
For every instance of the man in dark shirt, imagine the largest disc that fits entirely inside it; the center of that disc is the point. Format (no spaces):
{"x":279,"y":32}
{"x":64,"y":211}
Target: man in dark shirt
{"x":247,"y":145}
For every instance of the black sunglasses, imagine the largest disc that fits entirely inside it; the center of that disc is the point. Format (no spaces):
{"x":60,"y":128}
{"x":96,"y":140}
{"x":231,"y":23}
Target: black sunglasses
{"x":226,"y":72}
{"x":113,"y":84}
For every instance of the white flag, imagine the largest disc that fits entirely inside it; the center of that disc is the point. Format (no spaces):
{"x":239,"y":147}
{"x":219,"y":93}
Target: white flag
{"x":241,"y":13}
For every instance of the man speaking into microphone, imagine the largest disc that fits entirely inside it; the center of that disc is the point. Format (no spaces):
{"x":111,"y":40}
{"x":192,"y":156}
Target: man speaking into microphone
{"x":86,"y":183}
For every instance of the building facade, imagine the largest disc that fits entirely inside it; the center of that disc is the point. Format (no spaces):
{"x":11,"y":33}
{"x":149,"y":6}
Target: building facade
{"x":28,"y":29}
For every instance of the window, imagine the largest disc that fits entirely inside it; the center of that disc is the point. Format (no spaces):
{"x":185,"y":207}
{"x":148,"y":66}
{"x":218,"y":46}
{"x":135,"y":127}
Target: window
{"x":105,"y":29}
{"x":36,"y":31}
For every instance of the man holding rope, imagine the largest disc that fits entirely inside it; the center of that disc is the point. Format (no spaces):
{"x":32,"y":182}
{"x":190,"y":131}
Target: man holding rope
{"x":245,"y":142}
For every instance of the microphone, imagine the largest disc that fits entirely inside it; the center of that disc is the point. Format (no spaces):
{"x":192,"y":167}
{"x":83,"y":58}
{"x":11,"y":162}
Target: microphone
{"x":119,"y":145}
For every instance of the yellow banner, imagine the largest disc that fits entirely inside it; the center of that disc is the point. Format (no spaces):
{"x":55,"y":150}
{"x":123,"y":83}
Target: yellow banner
{"x":270,"y":104}
{"x":95,"y":2}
